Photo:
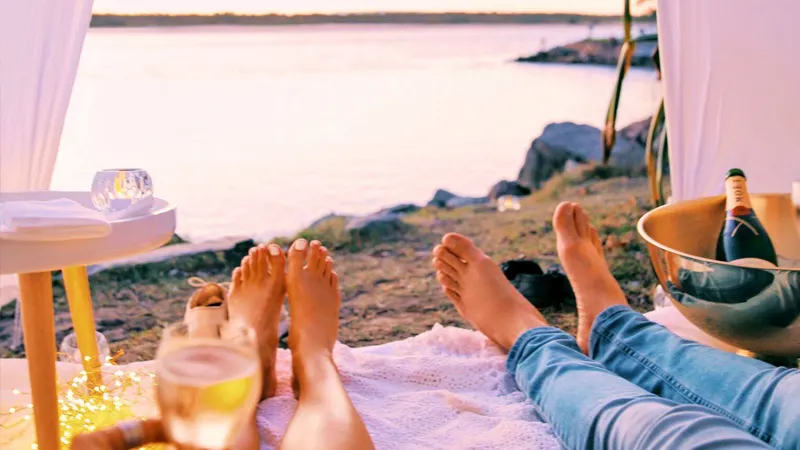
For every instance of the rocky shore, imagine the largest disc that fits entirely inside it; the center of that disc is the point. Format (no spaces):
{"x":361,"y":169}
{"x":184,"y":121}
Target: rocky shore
{"x":389,"y":290}
{"x":604,"y":52}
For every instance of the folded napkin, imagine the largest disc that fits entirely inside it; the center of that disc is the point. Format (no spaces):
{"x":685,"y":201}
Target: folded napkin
{"x":53,"y":220}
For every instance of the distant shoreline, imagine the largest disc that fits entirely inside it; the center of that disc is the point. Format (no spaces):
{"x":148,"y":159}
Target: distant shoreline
{"x":163,"y":20}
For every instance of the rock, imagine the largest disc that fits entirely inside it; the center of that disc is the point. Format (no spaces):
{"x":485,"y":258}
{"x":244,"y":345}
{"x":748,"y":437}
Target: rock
{"x":458,"y":202}
{"x":603,"y":52}
{"x":403,"y":208}
{"x":508,"y":188}
{"x":562,"y":142}
{"x":573,"y":166}
{"x":637,"y":131}
{"x":440,"y":198}
{"x":384,"y":227}
{"x":326,"y":218}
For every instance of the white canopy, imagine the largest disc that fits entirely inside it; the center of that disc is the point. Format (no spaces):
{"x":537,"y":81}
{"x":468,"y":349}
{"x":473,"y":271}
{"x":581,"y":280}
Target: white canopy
{"x":732,"y":98}
{"x":40,"y":45}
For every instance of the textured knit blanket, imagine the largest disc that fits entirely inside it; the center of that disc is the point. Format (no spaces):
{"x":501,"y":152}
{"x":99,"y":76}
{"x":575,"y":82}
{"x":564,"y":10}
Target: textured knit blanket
{"x":444,"y":389}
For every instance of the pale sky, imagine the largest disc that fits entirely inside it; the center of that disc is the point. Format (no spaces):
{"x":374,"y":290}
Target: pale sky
{"x":339,"y":6}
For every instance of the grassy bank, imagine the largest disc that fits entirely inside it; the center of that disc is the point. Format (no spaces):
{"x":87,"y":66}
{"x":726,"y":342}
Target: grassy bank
{"x":389,"y":289}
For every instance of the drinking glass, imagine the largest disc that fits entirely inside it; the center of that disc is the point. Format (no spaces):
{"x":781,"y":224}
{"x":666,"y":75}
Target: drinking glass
{"x":208,"y":384}
{"x":122,"y":191}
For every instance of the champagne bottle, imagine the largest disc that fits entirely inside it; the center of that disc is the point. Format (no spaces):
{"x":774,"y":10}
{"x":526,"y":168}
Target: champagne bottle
{"x":744,"y":239}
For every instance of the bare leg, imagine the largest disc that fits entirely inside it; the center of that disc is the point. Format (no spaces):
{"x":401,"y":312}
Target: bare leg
{"x":325,"y":416}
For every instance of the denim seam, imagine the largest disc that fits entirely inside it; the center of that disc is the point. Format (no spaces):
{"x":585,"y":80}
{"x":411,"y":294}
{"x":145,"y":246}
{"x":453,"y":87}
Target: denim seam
{"x":689,"y":395}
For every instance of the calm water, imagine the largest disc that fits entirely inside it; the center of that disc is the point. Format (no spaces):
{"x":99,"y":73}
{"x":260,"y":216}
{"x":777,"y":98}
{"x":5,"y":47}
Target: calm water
{"x":258,"y":131}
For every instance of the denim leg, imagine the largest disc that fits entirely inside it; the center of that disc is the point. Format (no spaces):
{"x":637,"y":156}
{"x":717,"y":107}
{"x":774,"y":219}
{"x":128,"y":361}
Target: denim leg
{"x":760,"y":398}
{"x":591,"y":408}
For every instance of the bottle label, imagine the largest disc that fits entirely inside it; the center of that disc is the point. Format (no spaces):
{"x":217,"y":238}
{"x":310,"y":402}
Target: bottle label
{"x":738,"y":202}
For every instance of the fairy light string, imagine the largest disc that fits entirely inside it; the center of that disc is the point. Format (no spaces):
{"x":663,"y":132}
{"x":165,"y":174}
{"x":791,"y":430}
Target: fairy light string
{"x":84,"y":408}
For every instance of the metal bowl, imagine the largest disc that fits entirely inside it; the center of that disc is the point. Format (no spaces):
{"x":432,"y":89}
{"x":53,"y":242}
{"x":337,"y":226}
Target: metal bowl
{"x":753,"y":309}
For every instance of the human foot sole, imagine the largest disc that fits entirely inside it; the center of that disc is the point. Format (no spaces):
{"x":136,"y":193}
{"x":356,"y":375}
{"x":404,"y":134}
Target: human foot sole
{"x":581,"y":254}
{"x":481,"y":293}
{"x":256,"y":298}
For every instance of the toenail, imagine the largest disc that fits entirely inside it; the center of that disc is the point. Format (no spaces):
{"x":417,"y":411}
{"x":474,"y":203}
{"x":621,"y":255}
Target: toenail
{"x":274,"y":250}
{"x":300,"y":244}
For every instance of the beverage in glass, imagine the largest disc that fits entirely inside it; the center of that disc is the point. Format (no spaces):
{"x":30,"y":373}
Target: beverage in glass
{"x":208,"y":385}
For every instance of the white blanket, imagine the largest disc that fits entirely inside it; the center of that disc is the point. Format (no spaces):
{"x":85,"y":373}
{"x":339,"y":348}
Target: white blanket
{"x":444,"y":389}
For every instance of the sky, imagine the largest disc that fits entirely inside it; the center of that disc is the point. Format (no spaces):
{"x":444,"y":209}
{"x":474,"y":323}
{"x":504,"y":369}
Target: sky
{"x":342,"y":6}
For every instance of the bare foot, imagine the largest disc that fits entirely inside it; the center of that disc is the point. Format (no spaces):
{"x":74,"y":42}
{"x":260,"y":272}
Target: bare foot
{"x":314,"y":301}
{"x":256,"y":298}
{"x":581,"y":253}
{"x":481,"y":292}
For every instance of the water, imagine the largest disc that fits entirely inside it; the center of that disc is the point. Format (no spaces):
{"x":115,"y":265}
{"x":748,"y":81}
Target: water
{"x":258,"y":131}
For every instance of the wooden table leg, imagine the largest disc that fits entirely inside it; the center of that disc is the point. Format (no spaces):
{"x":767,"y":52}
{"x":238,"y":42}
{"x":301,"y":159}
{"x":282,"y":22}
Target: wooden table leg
{"x":79,"y":296}
{"x":39,"y":333}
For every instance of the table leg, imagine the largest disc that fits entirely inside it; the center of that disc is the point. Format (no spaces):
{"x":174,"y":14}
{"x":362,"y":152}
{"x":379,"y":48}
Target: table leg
{"x":79,"y":296}
{"x":39,"y":334}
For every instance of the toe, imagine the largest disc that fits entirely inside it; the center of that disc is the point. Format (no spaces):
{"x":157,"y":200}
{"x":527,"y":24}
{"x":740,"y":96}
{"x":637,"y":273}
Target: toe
{"x":252,"y":255}
{"x":564,"y":223}
{"x":297,"y":255}
{"x":262,"y":262}
{"x":446,"y":281}
{"x":581,"y":221}
{"x":327,"y":269}
{"x":323,"y":258}
{"x":236,"y":277}
{"x":446,"y":256}
{"x":335,"y":280}
{"x":451,"y":294}
{"x":246,"y":268}
{"x":447,"y":269}
{"x":277,"y":261}
{"x":315,"y":257}
{"x":462,"y":246}
{"x":596,"y":240}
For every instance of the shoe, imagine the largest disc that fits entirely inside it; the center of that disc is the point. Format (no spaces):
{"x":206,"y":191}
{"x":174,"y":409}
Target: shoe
{"x":207,"y":309}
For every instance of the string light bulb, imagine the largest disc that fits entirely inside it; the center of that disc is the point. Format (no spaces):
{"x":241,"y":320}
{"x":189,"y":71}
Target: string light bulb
{"x":84,"y":408}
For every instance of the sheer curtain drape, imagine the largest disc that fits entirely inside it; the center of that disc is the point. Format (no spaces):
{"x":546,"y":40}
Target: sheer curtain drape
{"x":732,"y":92}
{"x":40,"y":45}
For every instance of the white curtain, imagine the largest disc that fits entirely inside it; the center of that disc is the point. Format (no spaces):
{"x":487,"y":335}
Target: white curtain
{"x":731,"y":79}
{"x":40,"y":45}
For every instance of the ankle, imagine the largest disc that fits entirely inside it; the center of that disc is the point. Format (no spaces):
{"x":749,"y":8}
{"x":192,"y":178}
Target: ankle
{"x":312,"y":366}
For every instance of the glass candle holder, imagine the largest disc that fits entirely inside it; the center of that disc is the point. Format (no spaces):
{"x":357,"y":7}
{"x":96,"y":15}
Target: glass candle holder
{"x":69,"y":351}
{"x":117,"y":191}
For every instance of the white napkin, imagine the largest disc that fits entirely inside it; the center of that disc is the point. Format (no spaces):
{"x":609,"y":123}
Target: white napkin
{"x":52,"y":220}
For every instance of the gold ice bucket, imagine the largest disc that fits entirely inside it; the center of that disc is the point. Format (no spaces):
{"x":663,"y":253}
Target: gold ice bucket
{"x":751,"y":308}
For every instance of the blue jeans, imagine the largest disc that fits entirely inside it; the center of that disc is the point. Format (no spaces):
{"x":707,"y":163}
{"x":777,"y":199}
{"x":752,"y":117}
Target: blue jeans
{"x":646,"y":388}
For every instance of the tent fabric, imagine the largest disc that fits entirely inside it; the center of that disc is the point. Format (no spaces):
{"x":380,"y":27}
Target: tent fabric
{"x":730,"y":79}
{"x":40,"y":45}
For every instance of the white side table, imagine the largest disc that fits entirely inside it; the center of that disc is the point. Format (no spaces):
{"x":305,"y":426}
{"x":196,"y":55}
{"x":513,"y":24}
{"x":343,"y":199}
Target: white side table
{"x":34,"y":260}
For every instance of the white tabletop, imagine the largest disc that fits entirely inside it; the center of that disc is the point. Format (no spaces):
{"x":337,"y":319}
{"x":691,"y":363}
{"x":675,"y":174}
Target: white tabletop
{"x":128,"y":237}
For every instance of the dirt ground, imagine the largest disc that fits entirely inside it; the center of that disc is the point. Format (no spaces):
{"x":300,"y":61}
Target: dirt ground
{"x":389,"y":290}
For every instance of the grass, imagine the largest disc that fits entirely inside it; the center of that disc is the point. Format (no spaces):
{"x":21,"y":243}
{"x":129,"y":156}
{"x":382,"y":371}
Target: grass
{"x":389,"y":290}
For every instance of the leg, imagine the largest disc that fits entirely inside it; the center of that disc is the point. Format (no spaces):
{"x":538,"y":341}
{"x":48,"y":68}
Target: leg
{"x":756,"y":396}
{"x":588,"y":406}
{"x":79,"y":296}
{"x":759,"y":397}
{"x":38,"y":326}
{"x":325,"y":417}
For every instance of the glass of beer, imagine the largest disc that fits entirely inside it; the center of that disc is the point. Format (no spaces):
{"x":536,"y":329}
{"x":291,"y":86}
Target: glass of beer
{"x":208,"y":384}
